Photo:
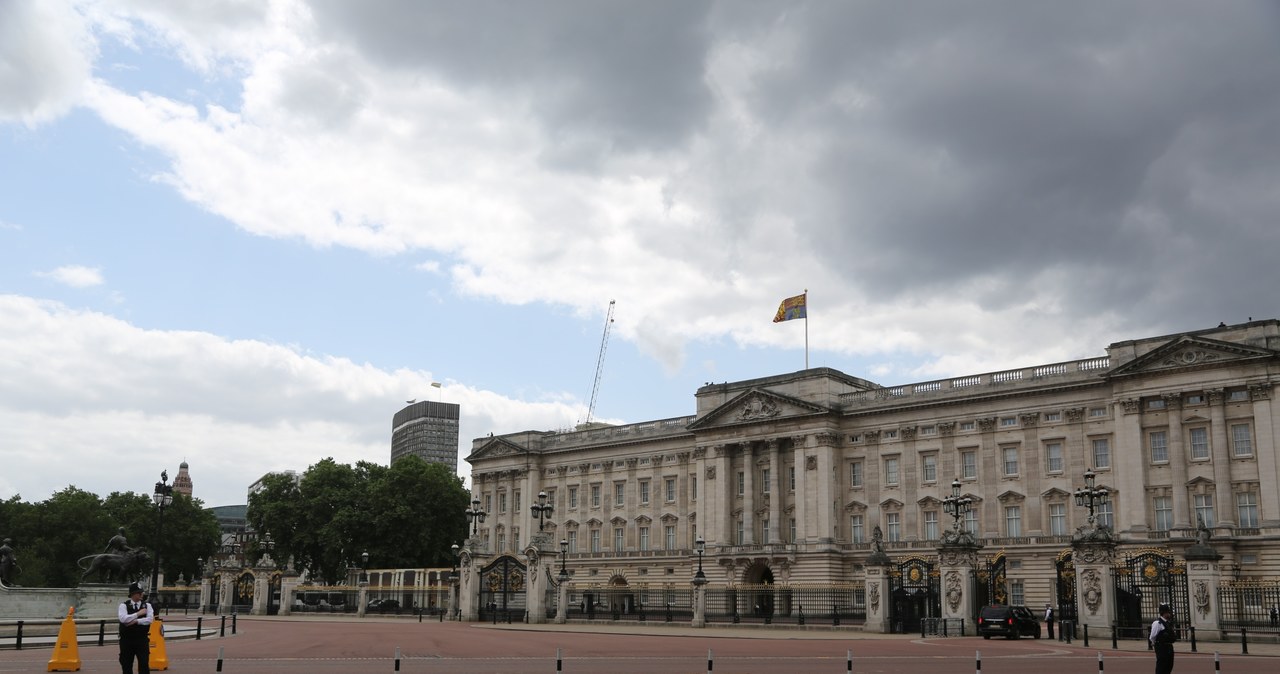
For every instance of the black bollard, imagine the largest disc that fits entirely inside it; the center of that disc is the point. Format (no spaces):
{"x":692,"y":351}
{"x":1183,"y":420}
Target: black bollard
{"x":233,"y":625}
{"x":1244,"y":641}
{"x":1114,"y":637}
{"x":102,"y":632}
{"x":397,"y":658}
{"x":222,"y":630}
{"x":199,"y":624}
{"x":1086,"y":636}
{"x":835,"y":617}
{"x":18,"y":642}
{"x":1193,"y":638}
{"x":801,"y":611}
{"x":219,"y":659}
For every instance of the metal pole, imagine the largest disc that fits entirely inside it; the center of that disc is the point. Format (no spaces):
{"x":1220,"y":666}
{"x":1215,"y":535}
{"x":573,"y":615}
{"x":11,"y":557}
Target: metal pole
{"x":397,"y":658}
{"x":977,"y":660}
{"x":1100,"y":666}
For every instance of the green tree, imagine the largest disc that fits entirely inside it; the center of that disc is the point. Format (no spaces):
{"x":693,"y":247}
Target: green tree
{"x":407,"y":515}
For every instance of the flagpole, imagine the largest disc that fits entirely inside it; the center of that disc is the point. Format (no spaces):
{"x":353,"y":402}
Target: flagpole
{"x":806,"y":328}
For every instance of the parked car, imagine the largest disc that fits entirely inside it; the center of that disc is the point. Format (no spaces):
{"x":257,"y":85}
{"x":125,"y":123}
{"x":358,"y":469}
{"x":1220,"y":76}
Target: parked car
{"x":1010,"y":622}
{"x":383,"y":605}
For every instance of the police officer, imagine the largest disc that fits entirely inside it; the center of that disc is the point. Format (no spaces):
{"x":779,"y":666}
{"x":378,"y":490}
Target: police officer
{"x":1048,"y":619}
{"x":135,"y":626}
{"x":1163,"y":634}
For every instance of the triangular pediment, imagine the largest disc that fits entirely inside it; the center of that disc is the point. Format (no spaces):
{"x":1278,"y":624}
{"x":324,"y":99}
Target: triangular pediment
{"x":1054,"y":493}
{"x":1187,"y":353}
{"x":755,"y":406}
{"x":855,"y":506}
{"x":891,"y":504}
{"x":928,"y":502}
{"x":1011,"y":497}
{"x":495,"y":448}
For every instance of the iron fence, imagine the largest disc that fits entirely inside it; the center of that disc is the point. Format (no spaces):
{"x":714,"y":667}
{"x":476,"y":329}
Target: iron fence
{"x":632,"y":603}
{"x":787,"y":604}
{"x":1253,"y":605}
{"x":326,"y":599}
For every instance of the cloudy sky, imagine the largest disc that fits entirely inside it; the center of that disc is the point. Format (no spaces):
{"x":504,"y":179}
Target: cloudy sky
{"x":244,"y":232}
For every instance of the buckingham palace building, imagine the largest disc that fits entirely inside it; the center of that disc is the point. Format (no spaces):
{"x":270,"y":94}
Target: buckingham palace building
{"x":787,"y":478}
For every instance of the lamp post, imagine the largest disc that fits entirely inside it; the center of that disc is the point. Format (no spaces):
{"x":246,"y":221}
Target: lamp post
{"x":1091,"y":496}
{"x":541,"y":509}
{"x":163,"y":496}
{"x":477,"y":515}
{"x":700,"y":546}
{"x":364,"y":565}
{"x":267,"y":546}
{"x":199,"y":568}
{"x":564,"y":552}
{"x":957,"y":505}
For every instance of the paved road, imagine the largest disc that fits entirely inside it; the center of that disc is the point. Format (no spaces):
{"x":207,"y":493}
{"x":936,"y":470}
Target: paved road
{"x":321,"y":646}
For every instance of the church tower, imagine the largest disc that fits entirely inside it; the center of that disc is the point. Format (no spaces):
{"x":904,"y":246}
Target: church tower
{"x":182,"y":483}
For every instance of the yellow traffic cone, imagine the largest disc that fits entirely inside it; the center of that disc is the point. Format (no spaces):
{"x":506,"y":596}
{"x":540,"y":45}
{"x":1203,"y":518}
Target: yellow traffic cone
{"x":66,"y":653}
{"x":159,"y":659}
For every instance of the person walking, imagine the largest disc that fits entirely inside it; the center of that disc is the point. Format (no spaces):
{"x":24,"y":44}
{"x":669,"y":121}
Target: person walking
{"x":1048,"y":619}
{"x":135,"y":626}
{"x":1275,"y":615}
{"x":1163,"y":634}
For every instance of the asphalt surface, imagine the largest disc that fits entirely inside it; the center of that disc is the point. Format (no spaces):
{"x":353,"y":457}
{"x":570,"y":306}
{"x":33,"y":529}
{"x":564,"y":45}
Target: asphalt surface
{"x":370,"y":645}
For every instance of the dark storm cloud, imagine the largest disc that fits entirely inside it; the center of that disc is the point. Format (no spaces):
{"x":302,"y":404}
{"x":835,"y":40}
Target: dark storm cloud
{"x":624,"y":75}
{"x":1000,"y":139}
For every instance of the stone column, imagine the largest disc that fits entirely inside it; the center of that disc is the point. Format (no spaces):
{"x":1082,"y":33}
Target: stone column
{"x":288,"y":587}
{"x":748,"y":452}
{"x":362,"y":597}
{"x":1178,"y":462}
{"x":1224,"y":512}
{"x":206,"y":593}
{"x":1093,"y":553}
{"x":469,"y":562}
{"x":261,"y":591}
{"x":1264,"y":437}
{"x":958,"y":554}
{"x":1202,"y":584}
{"x":876,"y":574}
{"x":224,"y":592}
{"x":538,"y":554}
{"x":699,"y":605}
{"x":777,"y":491}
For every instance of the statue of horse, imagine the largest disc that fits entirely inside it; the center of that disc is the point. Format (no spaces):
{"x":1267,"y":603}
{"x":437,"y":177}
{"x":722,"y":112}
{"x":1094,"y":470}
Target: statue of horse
{"x":127,"y":566}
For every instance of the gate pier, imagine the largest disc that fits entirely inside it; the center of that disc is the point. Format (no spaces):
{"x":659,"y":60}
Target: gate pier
{"x":1093,"y":555}
{"x":958,"y":557}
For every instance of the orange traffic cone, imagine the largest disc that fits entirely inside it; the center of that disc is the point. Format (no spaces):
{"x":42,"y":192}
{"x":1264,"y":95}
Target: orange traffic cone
{"x":66,"y":653}
{"x":159,"y":659}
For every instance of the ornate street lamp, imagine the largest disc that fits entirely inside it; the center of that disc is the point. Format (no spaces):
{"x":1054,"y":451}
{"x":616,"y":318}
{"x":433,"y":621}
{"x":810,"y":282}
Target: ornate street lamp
{"x":268,"y":546}
{"x":364,"y":564}
{"x":957,"y":505}
{"x":700,"y":546}
{"x":541,"y":509}
{"x":1091,"y":496}
{"x":564,"y":552}
{"x":455,"y":549}
{"x":477,"y":515}
{"x":199,"y":568}
{"x":163,"y":496}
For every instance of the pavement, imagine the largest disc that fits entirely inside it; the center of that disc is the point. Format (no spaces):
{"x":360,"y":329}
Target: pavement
{"x":315,"y":645}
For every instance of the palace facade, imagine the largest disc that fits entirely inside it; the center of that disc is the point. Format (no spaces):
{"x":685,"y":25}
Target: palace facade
{"x":786,"y":477}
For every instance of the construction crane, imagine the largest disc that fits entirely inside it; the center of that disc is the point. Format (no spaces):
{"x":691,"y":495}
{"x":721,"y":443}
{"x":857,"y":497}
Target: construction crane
{"x":604,"y":344}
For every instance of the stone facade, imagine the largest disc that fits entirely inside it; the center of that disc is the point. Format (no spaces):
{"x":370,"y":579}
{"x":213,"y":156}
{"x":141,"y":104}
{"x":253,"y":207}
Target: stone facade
{"x":786,"y":476}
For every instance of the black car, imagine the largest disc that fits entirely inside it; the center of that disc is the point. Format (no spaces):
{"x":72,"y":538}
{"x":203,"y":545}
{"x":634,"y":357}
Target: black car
{"x":1010,"y":622}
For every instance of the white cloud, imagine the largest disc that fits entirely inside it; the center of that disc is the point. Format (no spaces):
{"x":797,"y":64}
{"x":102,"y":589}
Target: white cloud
{"x":75,"y":276}
{"x":106,"y":406}
{"x":45,"y":55}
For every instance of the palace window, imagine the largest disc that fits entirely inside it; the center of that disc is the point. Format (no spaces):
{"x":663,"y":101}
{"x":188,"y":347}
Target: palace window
{"x":1158,"y":441}
{"x":855,"y":474}
{"x":1247,"y":509}
{"x":1104,"y":515}
{"x":742,"y":483}
{"x":573,"y":541}
{"x":929,"y":467}
{"x":1057,"y":519}
{"x":595,"y":496}
{"x":502,"y":502}
{"x":1164,"y":513}
{"x":1010,"y":460}
{"x":1204,"y":508}
{"x":1053,"y":457}
{"x":931,"y":525}
{"x":1241,"y":440}
{"x":893,"y":526}
{"x":1199,"y":443}
{"x":740,"y":535}
{"x":764,"y":480}
{"x":573,"y":497}
{"x":670,"y":488}
{"x":619,"y":539}
{"x":971,"y":522}
{"x":644,"y":538}
{"x":764,"y":531}
{"x":891,"y":471}
{"x":1101,"y":453}
{"x":969,"y":464}
{"x":856,"y":534}
{"x":619,"y":493}
{"x":791,"y":477}
{"x":1013,"y":520}
{"x":595,"y":540}
{"x":644,"y":491}
{"x":669,"y":532}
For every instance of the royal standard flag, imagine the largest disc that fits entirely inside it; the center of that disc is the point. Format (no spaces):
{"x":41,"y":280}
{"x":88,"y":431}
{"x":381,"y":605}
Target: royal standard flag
{"x":792,"y":307}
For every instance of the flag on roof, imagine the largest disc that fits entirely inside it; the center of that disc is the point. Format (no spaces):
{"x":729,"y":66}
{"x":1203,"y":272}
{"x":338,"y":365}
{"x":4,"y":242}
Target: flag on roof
{"x":792,"y":307}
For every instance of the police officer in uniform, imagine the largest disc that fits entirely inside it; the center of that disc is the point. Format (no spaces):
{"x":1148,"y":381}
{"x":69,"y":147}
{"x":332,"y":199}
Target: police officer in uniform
{"x":135,"y":626}
{"x":1163,"y":634}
